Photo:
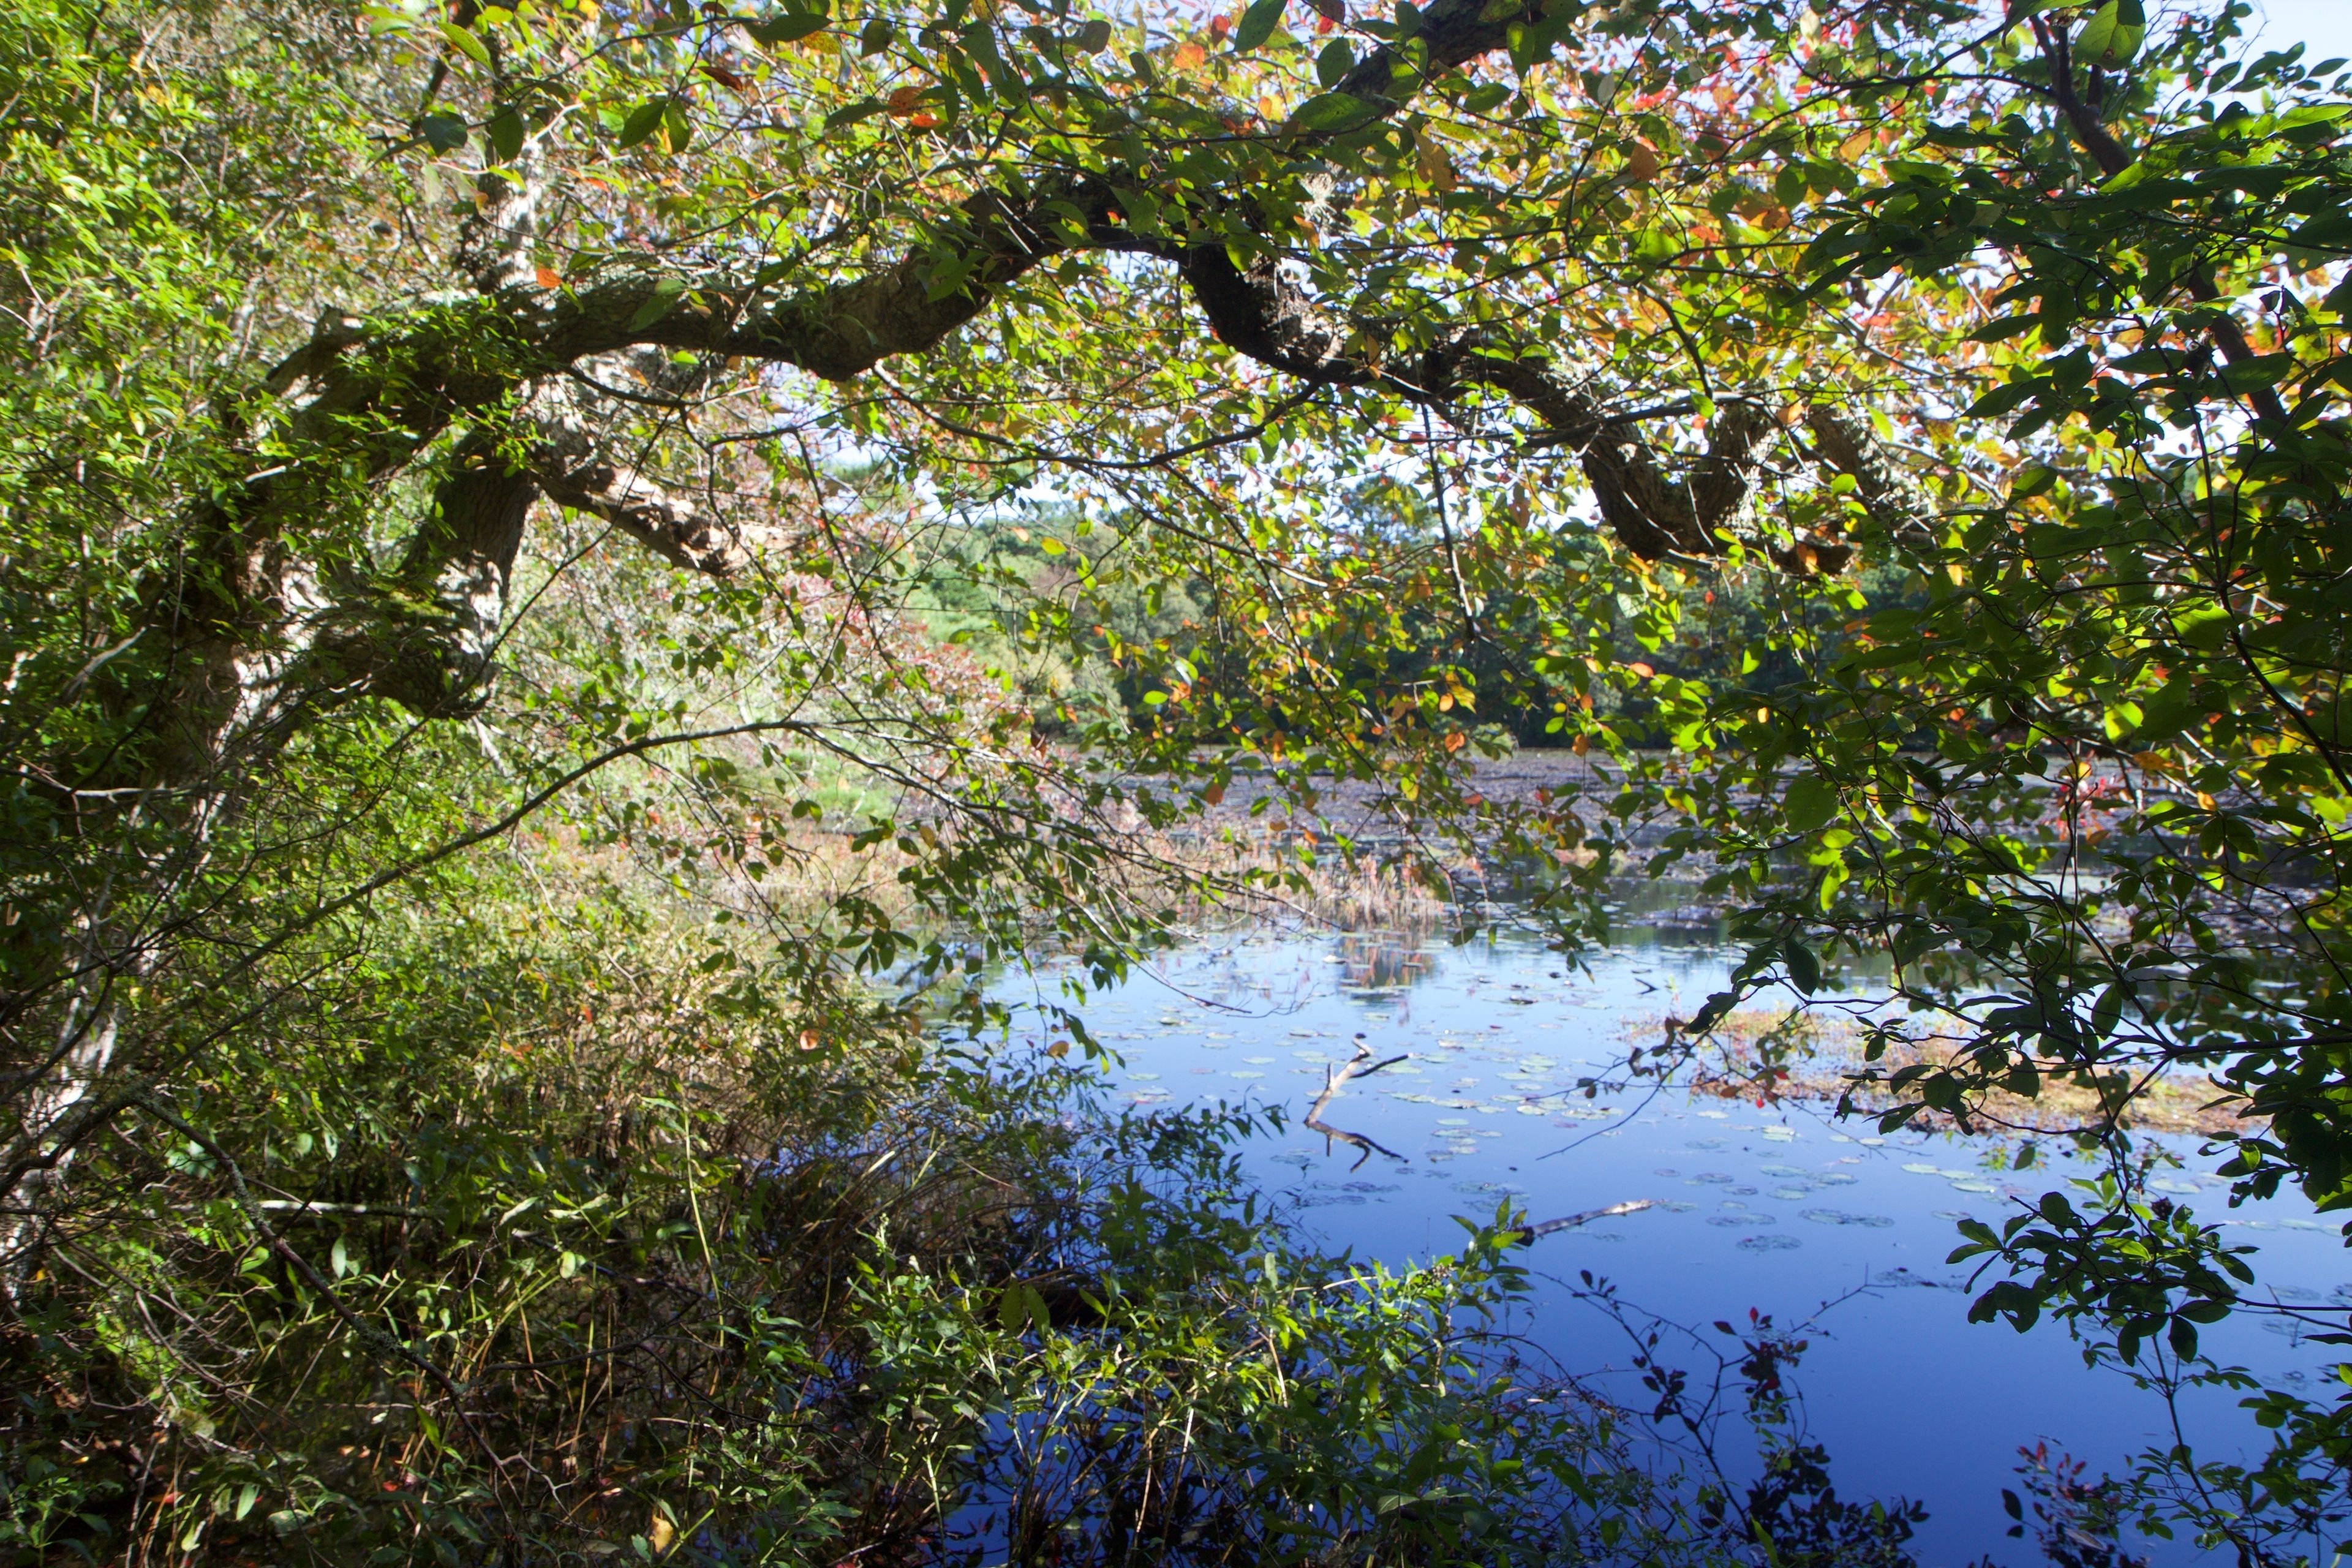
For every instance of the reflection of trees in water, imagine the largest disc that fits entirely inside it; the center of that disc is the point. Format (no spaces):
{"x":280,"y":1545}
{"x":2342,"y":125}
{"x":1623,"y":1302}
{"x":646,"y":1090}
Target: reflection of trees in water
{"x":1383,"y":960}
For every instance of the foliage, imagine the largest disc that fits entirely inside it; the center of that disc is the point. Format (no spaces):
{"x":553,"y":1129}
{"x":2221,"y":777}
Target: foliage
{"x":515,"y":761}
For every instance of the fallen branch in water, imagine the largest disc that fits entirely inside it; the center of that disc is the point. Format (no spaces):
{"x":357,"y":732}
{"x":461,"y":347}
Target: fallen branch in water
{"x":1353,"y":1068}
{"x":1569,"y":1222}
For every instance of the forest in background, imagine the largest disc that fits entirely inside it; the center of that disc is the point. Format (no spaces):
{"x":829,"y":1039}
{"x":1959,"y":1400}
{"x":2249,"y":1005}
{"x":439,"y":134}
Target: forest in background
{"x":579,"y":576}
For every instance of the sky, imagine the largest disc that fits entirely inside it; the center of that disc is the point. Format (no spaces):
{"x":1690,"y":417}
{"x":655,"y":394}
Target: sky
{"x":2324,"y":26}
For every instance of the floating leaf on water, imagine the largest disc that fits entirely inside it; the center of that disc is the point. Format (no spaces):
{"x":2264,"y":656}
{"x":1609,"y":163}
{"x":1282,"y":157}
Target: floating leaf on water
{"x":1770,"y":1243}
{"x":1738,"y":1220}
{"x":1454,"y":1122}
{"x":1530,"y":1110}
{"x":1781,"y":1170}
{"x":1718,"y":1176}
{"x":1673,"y":1205}
{"x":1665,"y":1171}
{"x":1705,"y":1144}
{"x":1741,"y":1192}
{"x":1790,"y":1193}
{"x":1143,"y":1077}
{"x":1954,"y":1213}
{"x":1835,"y":1178}
{"x":1248,"y":1074}
{"x":1974,"y":1186}
{"x":1918,"y":1168}
{"x":1839,"y":1216}
{"x":1782,"y":1134}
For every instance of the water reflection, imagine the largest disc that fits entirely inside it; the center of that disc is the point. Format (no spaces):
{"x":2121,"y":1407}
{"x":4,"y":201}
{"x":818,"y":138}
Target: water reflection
{"x":1437,"y":1081}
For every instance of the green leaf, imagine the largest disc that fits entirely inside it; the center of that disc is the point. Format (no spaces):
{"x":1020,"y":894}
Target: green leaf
{"x":2328,"y":231}
{"x":643,"y":121}
{"x":505,"y":131}
{"x":2112,"y":35}
{"x":661,"y":302}
{"x":1804,"y":968}
{"x":2205,"y":627}
{"x":442,"y":133}
{"x":788,"y":26}
{"x":465,"y":43}
{"x":1329,"y":112}
{"x":876,"y":37}
{"x":2003,"y":398}
{"x":1810,"y":803}
{"x":1095,"y":37}
{"x":1258,"y":24}
{"x":1332,"y":65}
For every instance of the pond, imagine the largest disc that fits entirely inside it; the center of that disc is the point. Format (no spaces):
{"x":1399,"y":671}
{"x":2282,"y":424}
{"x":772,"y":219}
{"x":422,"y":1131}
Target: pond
{"x":1780,"y":1209}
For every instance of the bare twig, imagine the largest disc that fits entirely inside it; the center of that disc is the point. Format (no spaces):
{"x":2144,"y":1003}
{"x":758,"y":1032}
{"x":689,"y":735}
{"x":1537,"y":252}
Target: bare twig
{"x":1354,"y":1068}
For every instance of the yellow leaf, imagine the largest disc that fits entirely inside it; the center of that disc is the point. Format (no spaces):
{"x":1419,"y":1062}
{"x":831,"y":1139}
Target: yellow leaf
{"x":1434,"y":166}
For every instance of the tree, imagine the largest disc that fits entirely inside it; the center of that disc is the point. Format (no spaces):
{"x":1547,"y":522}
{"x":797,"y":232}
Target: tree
{"x":426,"y":416}
{"x":2083,"y":797}
{"x":347,"y":523}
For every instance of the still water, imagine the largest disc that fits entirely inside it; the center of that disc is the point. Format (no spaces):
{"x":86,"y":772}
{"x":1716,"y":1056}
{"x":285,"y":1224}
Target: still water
{"x":1777,"y":1209}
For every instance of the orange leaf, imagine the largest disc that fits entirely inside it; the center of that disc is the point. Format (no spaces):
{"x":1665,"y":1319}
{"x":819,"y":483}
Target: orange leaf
{"x":1191,"y":57}
{"x":904,"y":100}
{"x":1454,"y":742}
{"x":549,"y":278}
